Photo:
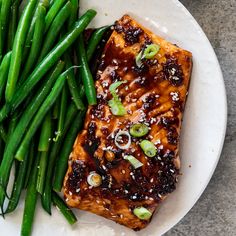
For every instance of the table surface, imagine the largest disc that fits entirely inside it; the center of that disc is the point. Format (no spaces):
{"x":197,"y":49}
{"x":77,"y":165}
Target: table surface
{"x":215,"y":212}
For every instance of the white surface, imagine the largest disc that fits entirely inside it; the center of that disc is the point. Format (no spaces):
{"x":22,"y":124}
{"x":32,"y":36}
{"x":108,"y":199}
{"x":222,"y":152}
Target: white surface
{"x":203,"y":128}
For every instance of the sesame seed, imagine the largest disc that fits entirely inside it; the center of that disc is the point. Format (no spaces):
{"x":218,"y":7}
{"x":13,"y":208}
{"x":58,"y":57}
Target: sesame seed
{"x":157,"y":142}
{"x":133,"y":150}
{"x":104,"y":167}
{"x":175,"y":78}
{"x":175,"y":96}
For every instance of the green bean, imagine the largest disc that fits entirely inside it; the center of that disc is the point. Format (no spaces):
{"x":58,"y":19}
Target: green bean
{"x":46,"y":132}
{"x":87,"y":78}
{"x":54,"y":9}
{"x":18,"y":185}
{"x":55,"y":29}
{"x":13,"y":24}
{"x":73,"y":86}
{"x":30,"y":160}
{"x":30,"y":203}
{"x":2,"y":147}
{"x":62,"y":115}
{"x":47,"y":104}
{"x":95,"y":40}
{"x":73,"y":13}
{"x":46,"y":197}
{"x":42,"y":172}
{"x":23,"y":91}
{"x":62,"y":162}
{"x":4,"y":69}
{"x":3,"y":133}
{"x":64,"y":209}
{"x":30,"y":34}
{"x":12,"y":124}
{"x":36,"y":42}
{"x":17,"y":50}
{"x":55,"y":110}
{"x":23,"y":123}
{"x":4,"y":18}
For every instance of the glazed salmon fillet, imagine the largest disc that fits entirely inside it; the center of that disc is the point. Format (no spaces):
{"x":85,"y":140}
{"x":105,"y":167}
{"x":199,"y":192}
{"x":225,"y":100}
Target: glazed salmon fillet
{"x":154,"y":94}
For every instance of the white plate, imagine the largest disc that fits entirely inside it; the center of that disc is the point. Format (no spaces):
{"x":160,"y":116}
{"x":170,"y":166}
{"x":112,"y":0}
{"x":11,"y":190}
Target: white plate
{"x":203,"y":128}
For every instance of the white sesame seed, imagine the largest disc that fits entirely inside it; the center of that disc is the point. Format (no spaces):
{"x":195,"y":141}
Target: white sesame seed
{"x":175,"y":78}
{"x":157,"y":142}
{"x":175,"y":96}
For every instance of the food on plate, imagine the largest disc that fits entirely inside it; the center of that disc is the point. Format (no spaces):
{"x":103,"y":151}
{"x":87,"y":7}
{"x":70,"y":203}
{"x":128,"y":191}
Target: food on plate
{"x":125,"y":161}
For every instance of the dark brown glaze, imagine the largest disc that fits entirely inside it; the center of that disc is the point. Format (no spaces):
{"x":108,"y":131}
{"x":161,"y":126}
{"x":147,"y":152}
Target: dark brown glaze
{"x":130,"y":33}
{"x":154,"y":94}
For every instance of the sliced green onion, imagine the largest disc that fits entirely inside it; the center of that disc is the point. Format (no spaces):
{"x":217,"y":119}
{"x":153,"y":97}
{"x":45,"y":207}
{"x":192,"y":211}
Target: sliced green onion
{"x":148,"y":148}
{"x":138,"y":130}
{"x":148,"y":53}
{"x":117,"y":107}
{"x":115,"y":104}
{"x":151,"y":51}
{"x":142,"y":213}
{"x":138,"y":59}
{"x":114,"y":86}
{"x":118,"y":139}
{"x":94,"y":179}
{"x":133,"y":161}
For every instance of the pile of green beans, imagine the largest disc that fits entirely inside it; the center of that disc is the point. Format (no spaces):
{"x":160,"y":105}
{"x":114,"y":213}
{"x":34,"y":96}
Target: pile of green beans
{"x":45,"y":85}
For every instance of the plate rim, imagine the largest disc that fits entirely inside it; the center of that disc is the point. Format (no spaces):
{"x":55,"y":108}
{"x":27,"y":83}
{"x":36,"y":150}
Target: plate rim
{"x":225,"y":110}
